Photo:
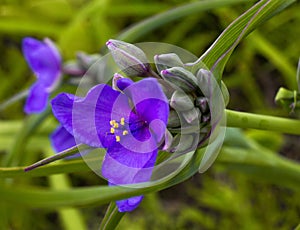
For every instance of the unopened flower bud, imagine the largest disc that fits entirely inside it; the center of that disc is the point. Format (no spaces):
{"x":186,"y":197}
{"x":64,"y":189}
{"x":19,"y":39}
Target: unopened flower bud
{"x":116,"y":77}
{"x":80,"y":66}
{"x":86,"y":60}
{"x":204,"y":80}
{"x":180,"y":77}
{"x":202,"y":104}
{"x":205,"y":118}
{"x":168,"y":141}
{"x":186,"y":128}
{"x":183,"y":143}
{"x":166,"y":61}
{"x":167,"y":87}
{"x":131,"y":59}
{"x":288,"y":99}
{"x":180,"y":101}
{"x":121,"y":83}
{"x":192,"y":115}
{"x":73,"y":68}
{"x":173,"y":119}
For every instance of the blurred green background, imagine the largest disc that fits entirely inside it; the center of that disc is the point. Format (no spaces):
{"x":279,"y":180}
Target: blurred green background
{"x":240,"y":193}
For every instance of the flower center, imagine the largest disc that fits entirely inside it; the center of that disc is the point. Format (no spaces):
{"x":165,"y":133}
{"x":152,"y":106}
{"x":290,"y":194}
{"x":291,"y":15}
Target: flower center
{"x":118,"y":128}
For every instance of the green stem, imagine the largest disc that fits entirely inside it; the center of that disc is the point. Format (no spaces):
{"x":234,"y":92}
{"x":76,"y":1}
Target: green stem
{"x":19,"y":96}
{"x":112,"y":217}
{"x":263,"y":122}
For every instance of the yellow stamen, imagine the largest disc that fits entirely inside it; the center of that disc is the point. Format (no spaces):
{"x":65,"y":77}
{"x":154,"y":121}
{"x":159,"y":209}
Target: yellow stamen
{"x":116,"y":125}
{"x":112,"y":130}
{"x":125,"y":132}
{"x":118,"y":138}
{"x":112,"y":122}
{"x":122,"y":122}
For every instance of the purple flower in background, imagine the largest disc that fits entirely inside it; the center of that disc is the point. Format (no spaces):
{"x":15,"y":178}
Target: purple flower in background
{"x":130,"y":124}
{"x":45,"y":61}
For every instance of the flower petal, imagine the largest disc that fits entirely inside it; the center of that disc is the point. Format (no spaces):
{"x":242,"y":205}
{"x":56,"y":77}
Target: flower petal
{"x":37,"y":99}
{"x":151,"y":104}
{"x":43,"y":59}
{"x":155,"y":112}
{"x":53,"y":49}
{"x":88,"y":119}
{"x":123,"y":83}
{"x":61,"y":139}
{"x":128,"y":205}
{"x":122,"y":166}
{"x":145,"y":92}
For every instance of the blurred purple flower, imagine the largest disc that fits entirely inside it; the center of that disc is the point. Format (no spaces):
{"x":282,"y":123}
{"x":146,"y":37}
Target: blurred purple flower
{"x":45,"y":61}
{"x":130,"y":124}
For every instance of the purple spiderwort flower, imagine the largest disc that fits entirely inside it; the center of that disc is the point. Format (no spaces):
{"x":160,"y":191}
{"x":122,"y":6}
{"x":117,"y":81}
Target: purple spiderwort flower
{"x":45,"y":61}
{"x":61,"y":139}
{"x":130,"y":124}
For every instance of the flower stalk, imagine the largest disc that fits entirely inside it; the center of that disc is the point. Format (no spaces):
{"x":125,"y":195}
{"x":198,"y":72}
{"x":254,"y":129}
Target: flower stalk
{"x":263,"y":122}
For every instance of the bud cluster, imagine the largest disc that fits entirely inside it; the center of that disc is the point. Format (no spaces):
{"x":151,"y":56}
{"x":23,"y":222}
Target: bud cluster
{"x":189,"y":101}
{"x":81,"y":66}
{"x":188,"y":89}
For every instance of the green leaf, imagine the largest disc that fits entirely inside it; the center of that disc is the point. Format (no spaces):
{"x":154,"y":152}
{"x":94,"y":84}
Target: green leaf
{"x":19,"y":96}
{"x":257,"y":161}
{"x":37,"y":197}
{"x":62,"y":167}
{"x":276,"y":57}
{"x":89,"y":26}
{"x":112,"y":217}
{"x":71,"y":218}
{"x":261,"y":164}
{"x":298,"y":76}
{"x":138,"y":30}
{"x":61,"y":155}
{"x":218,"y":54}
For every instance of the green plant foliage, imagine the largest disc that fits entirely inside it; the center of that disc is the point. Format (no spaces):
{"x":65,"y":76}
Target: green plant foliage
{"x":253,"y":46}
